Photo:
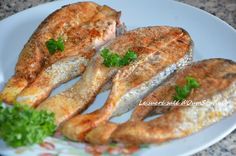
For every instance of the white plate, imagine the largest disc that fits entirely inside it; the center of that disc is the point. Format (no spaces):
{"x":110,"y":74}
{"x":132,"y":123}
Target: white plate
{"x":212,"y":38}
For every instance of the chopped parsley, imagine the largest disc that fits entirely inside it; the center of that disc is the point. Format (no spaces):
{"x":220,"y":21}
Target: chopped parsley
{"x":22,"y":126}
{"x":55,"y":46}
{"x":115,"y":60}
{"x":183,"y":92}
{"x":113,"y":144}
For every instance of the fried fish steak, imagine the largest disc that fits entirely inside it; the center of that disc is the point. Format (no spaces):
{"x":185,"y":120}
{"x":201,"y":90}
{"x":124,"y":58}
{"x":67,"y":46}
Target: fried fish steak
{"x":102,"y":133}
{"x":155,"y":62}
{"x":216,"y":96}
{"x":84,"y":27}
{"x":81,"y":95}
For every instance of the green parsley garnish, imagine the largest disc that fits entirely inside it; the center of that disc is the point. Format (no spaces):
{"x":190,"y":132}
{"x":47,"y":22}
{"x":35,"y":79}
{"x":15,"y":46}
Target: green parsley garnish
{"x":182,"y":93}
{"x":55,"y":46}
{"x":115,"y":60}
{"x":113,"y":144}
{"x":22,"y":126}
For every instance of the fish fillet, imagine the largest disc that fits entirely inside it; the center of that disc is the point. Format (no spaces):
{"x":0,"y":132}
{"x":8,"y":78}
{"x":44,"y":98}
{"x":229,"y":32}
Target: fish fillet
{"x":217,"y":94}
{"x":156,"y":61}
{"x":102,"y":133}
{"x":84,"y":27}
{"x":81,"y":95}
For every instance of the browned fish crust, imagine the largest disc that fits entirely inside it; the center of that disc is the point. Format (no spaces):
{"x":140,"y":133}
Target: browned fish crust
{"x":35,"y":55}
{"x":160,"y":49}
{"x":101,"y":134}
{"x":83,"y":26}
{"x":217,"y":92}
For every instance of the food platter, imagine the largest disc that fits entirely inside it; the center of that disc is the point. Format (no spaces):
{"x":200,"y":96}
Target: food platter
{"x":212,"y":38}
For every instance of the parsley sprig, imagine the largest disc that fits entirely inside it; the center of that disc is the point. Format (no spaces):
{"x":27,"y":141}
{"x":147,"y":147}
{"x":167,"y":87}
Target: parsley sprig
{"x":55,"y":46}
{"x":22,"y":126}
{"x":115,"y":60}
{"x":183,"y":92}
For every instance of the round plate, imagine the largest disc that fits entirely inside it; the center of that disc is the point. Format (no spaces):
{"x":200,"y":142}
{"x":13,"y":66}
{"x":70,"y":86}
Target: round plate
{"x":212,"y":38}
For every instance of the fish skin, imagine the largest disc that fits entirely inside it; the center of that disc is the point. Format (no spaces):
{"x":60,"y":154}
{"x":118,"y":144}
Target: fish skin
{"x":101,"y":134}
{"x":86,"y":23}
{"x":133,"y":82}
{"x":143,"y":111}
{"x":81,"y":95}
{"x":31,"y":58}
{"x":56,"y":74}
{"x":217,"y":92}
{"x":62,"y":71}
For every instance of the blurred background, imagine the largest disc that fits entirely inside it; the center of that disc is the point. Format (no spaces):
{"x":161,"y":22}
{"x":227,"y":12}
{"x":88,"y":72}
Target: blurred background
{"x":224,"y":9}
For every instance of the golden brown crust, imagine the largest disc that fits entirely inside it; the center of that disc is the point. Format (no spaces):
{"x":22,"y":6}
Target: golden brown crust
{"x":164,"y":91}
{"x":83,"y":26}
{"x":155,"y":47}
{"x":13,"y":87}
{"x":33,"y":56}
{"x":217,"y":78}
{"x":82,"y":94}
{"x":101,"y":134}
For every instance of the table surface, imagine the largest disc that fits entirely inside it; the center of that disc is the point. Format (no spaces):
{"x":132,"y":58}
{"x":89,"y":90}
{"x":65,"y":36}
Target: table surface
{"x":224,"y":9}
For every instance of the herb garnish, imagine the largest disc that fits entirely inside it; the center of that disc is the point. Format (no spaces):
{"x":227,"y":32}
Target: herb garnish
{"x":54,"y":46}
{"x":182,"y":93}
{"x":115,"y":60}
{"x":21,"y":125}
